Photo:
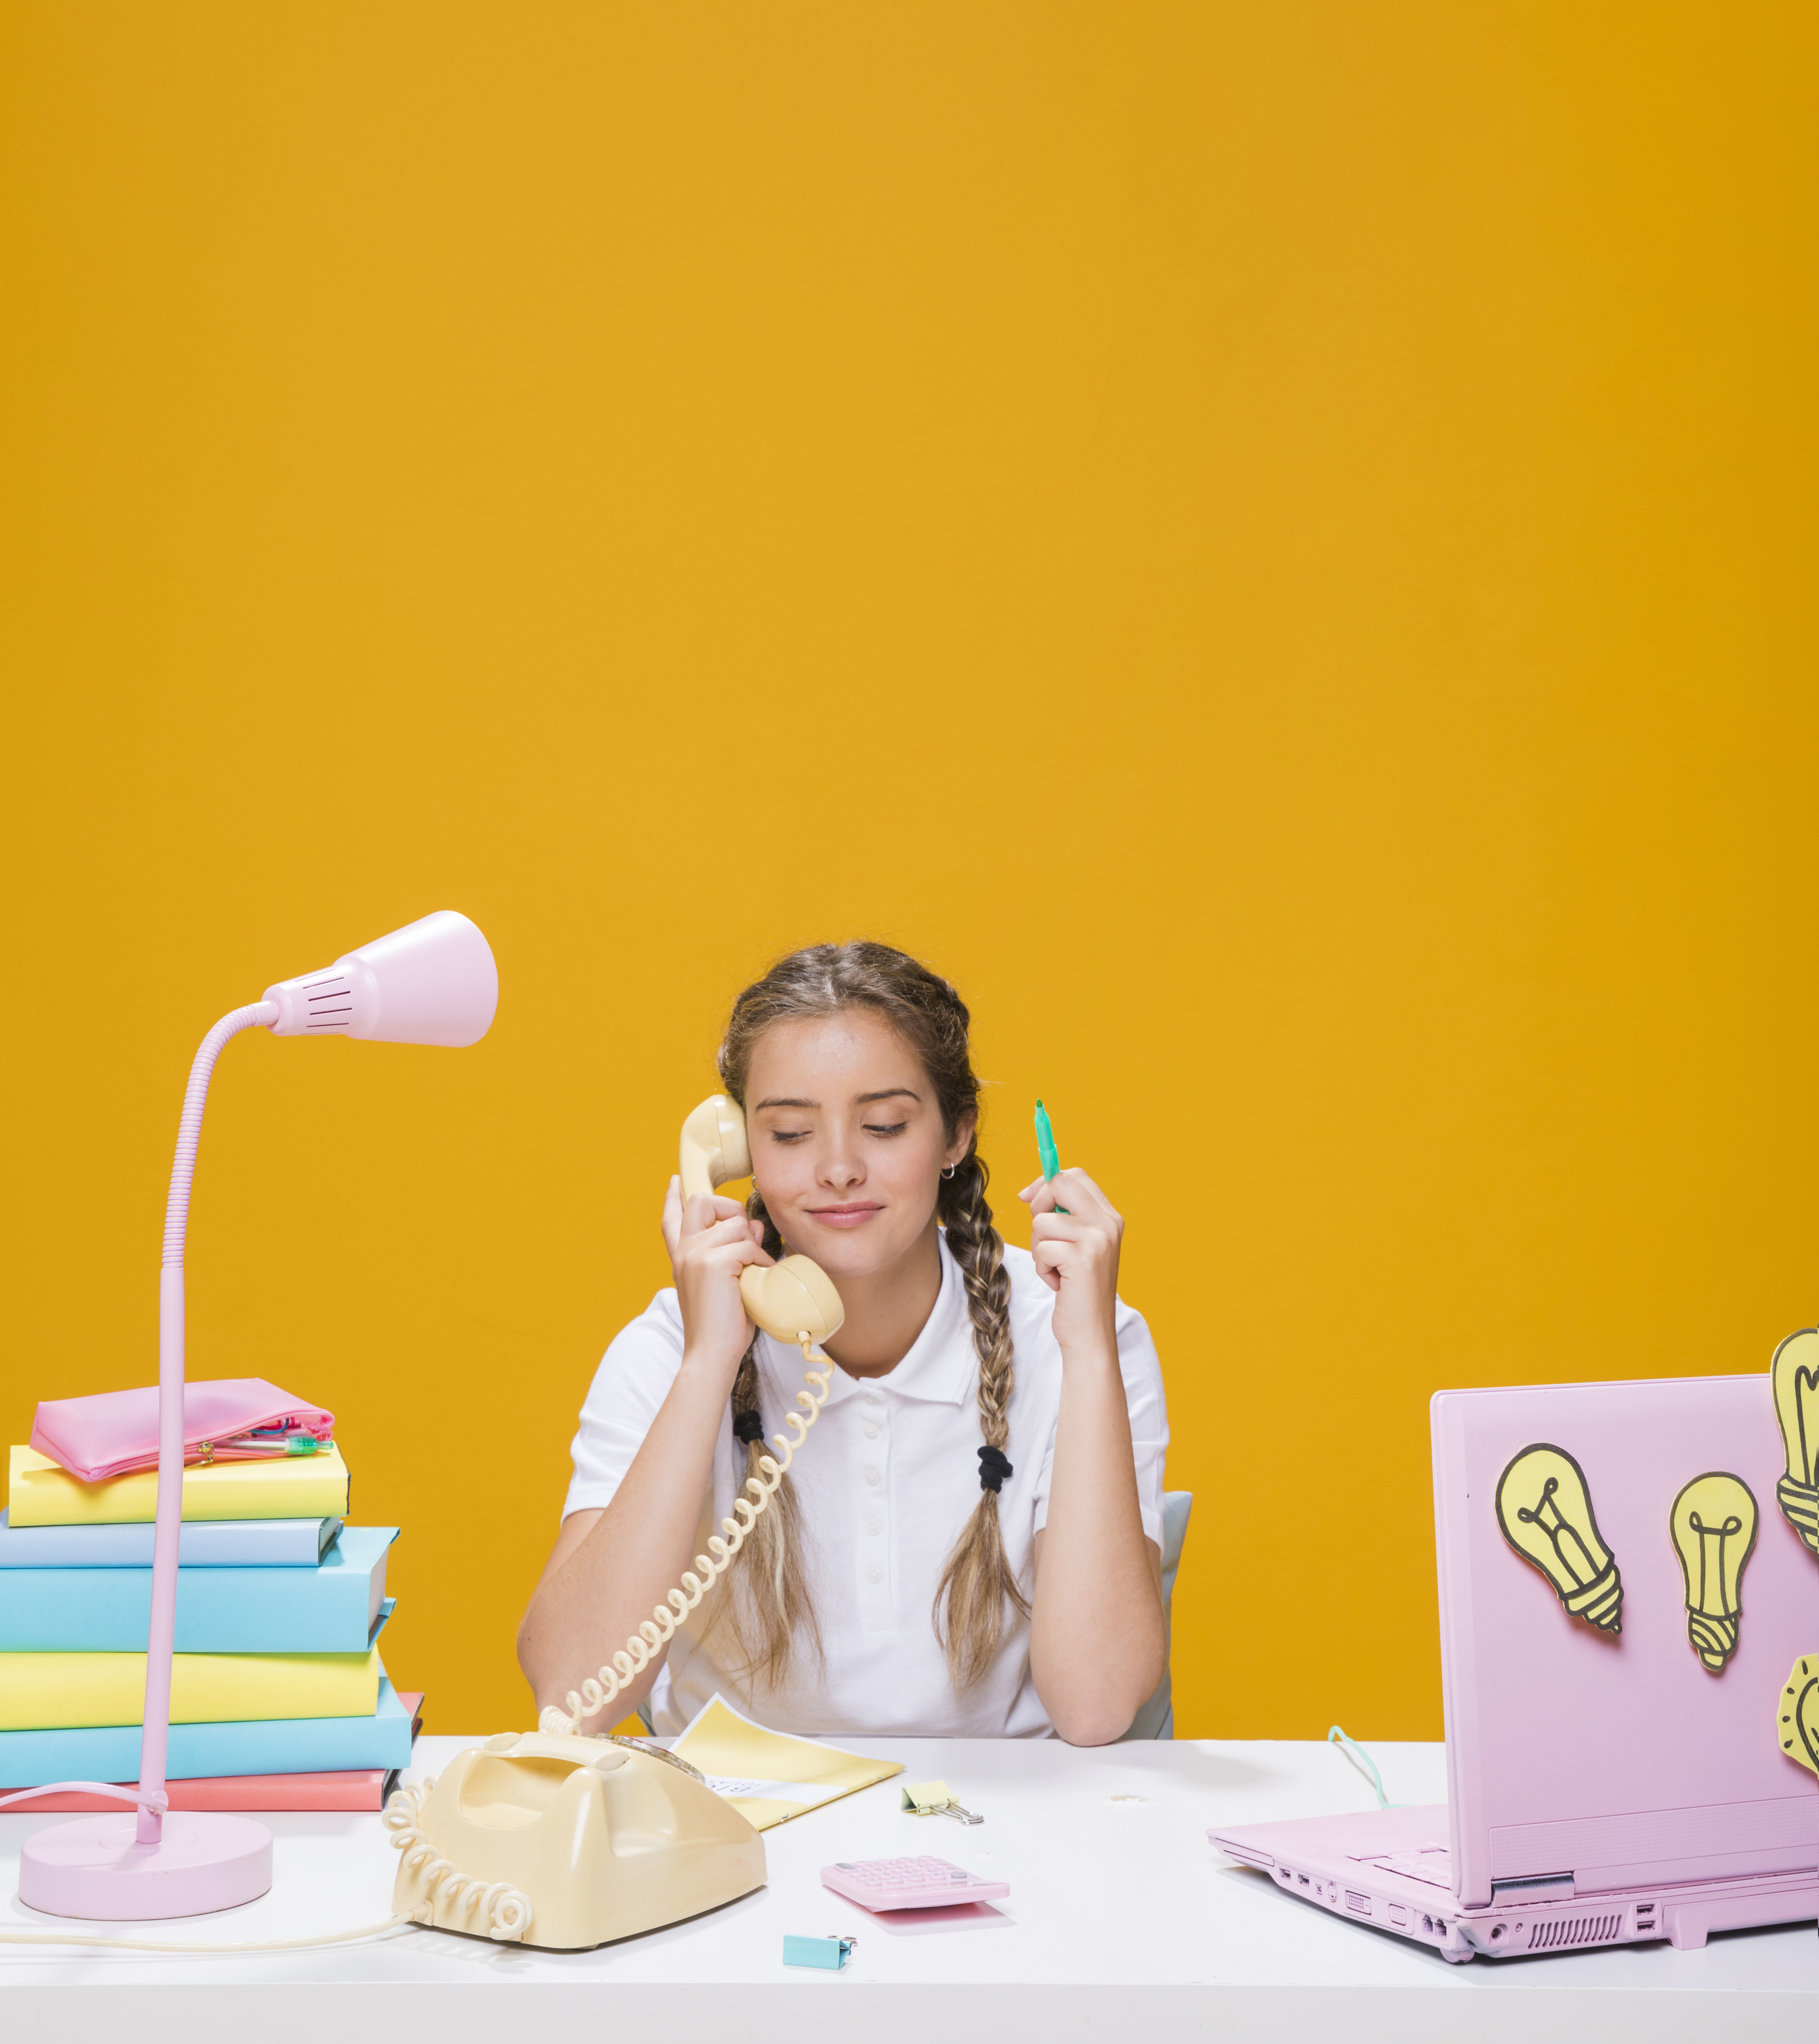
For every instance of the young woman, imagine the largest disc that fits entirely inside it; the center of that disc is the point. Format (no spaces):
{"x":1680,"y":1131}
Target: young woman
{"x":968,"y":1543}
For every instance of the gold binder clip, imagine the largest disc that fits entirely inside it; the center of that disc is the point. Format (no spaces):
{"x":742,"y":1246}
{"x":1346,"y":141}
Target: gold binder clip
{"x":935,"y":1799}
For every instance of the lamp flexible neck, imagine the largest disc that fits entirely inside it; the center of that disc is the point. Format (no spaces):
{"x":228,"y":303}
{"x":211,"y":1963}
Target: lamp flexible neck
{"x":189,"y":1127}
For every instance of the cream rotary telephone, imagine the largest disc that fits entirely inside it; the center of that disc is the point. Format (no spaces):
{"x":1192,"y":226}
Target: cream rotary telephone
{"x":565,"y":1842}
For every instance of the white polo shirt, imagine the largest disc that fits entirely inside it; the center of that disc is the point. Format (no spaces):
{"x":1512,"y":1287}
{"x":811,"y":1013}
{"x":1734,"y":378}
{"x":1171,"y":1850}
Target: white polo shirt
{"x":886,"y":1479}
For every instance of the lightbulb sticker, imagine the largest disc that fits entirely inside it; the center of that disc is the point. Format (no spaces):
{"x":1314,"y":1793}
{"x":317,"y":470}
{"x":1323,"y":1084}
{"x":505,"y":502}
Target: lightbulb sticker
{"x":1794,"y":1374}
{"x":1712,"y":1526}
{"x":1797,"y":1714}
{"x":1543,"y":1505}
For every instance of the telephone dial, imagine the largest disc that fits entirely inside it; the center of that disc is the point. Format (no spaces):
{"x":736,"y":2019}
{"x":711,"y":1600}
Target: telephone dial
{"x":558,"y":1840}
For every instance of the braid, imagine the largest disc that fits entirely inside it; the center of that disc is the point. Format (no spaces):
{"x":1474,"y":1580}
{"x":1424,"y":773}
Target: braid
{"x":766,"y":1603}
{"x":977,"y":1581}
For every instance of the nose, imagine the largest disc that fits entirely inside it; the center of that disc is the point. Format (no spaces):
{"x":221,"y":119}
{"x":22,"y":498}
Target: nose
{"x":840,"y":1167}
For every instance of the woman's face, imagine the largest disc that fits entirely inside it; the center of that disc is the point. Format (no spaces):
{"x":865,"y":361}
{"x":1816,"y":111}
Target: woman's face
{"x":846,"y":1141}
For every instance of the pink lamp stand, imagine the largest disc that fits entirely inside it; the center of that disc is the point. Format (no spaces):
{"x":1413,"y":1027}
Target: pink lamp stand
{"x":433,"y":981}
{"x":200,"y":1861}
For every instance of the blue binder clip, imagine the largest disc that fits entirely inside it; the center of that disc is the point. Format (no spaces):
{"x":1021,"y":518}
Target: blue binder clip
{"x":830,"y":1953}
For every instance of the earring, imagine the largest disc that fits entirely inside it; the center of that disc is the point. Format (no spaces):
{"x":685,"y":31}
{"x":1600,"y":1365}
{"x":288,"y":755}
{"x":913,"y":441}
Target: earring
{"x":948,"y":1171}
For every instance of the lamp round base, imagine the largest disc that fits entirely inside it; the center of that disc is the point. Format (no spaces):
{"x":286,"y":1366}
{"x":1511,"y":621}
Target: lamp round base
{"x":95,"y":1866}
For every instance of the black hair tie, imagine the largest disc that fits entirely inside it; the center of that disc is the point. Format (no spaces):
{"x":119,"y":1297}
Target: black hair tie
{"x":993,"y":1469}
{"x":748,"y":1427}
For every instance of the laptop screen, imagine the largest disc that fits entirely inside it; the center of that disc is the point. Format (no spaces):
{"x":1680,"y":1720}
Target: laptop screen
{"x":1596,"y":1726}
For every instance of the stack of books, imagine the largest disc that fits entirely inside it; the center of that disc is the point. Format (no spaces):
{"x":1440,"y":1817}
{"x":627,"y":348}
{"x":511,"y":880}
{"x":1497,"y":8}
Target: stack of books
{"x":278,"y":1700}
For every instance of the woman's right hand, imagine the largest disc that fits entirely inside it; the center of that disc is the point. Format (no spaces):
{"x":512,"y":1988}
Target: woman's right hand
{"x":710,"y":1241}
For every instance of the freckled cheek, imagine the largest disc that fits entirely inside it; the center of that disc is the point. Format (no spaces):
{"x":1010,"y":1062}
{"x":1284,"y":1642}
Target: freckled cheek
{"x":909,"y":1177}
{"x":780,"y":1179}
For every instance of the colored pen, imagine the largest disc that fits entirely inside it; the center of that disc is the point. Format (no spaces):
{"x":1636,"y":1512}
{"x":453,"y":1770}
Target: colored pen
{"x":1045,"y":1146}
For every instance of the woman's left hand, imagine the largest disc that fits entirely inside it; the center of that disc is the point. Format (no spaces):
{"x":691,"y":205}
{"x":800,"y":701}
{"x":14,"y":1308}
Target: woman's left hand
{"x":1077,"y":1253}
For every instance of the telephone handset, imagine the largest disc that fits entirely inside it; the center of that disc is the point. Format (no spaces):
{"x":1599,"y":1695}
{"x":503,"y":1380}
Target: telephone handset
{"x":515,"y":1839}
{"x":791,"y":1299}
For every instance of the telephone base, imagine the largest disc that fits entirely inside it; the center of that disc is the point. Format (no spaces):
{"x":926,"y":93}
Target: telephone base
{"x":460,"y":1924}
{"x":566,"y":1843}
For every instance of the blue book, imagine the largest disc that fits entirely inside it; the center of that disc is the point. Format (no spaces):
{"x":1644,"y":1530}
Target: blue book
{"x":212,"y":1543}
{"x":329,"y":1609}
{"x":276,"y":1745}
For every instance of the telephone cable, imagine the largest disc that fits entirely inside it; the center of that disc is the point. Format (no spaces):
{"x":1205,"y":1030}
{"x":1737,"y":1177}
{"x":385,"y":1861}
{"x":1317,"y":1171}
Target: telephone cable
{"x":656,"y":1632}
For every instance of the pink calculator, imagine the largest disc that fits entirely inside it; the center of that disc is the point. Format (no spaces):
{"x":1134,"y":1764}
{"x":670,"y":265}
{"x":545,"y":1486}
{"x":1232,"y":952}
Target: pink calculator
{"x":909,"y":1884}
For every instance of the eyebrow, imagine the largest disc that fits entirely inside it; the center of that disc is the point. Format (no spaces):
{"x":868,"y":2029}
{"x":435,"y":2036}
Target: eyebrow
{"x":862,"y":1100}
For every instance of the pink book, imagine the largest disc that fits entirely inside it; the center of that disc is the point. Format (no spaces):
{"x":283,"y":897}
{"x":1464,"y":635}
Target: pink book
{"x":225,"y":1419}
{"x":353,"y":1788}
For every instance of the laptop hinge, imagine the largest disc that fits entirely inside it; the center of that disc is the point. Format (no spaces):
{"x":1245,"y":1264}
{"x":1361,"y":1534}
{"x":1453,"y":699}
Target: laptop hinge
{"x":1535,"y":1888}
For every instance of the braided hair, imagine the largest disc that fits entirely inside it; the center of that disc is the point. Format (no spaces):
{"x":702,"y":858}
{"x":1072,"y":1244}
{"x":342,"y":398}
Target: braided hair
{"x":771,"y":1608}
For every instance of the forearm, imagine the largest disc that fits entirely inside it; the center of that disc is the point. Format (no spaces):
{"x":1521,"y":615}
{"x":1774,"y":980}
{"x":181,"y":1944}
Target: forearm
{"x":1098,"y":1641}
{"x":595,"y":1594}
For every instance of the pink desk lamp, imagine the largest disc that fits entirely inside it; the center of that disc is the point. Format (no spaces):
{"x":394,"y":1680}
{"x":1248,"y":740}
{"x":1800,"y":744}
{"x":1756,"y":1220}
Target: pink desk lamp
{"x":431,"y":982}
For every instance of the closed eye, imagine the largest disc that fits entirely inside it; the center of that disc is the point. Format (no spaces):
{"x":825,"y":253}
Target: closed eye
{"x":882,"y":1128}
{"x":788,"y":1135}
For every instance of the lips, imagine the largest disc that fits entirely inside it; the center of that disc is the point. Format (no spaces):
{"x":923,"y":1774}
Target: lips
{"x":846,"y":1216}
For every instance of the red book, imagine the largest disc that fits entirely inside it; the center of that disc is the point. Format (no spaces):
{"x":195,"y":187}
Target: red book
{"x":358,"y":1788}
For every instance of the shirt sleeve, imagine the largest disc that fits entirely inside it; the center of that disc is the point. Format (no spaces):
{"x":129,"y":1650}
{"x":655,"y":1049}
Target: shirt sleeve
{"x":628,"y":1391}
{"x":1141,"y":1369}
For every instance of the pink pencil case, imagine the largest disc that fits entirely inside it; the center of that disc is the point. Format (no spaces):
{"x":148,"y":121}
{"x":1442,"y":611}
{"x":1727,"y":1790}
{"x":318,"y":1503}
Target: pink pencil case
{"x":225,"y":1419}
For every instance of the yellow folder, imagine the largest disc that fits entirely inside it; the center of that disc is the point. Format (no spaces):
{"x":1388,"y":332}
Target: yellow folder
{"x":771,"y":1777}
{"x":39,"y":1494}
{"x":61,"y":1691}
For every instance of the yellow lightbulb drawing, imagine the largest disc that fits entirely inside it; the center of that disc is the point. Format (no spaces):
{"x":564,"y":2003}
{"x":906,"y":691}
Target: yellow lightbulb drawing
{"x":1543,"y":1505}
{"x":1713,"y":1528}
{"x":1797,"y":1714}
{"x":1794,"y":1374}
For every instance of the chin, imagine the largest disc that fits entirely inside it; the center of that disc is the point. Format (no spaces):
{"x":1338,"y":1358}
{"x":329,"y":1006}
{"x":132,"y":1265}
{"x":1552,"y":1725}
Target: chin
{"x":849,"y":1253}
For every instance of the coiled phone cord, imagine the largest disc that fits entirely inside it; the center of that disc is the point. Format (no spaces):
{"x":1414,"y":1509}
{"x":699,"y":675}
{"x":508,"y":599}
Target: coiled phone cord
{"x":659,"y":1629}
{"x":504,"y":1912}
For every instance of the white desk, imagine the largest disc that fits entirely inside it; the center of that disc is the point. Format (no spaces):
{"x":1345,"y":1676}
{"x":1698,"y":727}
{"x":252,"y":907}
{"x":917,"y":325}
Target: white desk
{"x":1122,"y":1922}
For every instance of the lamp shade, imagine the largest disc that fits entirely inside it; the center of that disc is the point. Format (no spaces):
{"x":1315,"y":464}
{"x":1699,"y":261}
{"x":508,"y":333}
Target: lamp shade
{"x":433,"y":981}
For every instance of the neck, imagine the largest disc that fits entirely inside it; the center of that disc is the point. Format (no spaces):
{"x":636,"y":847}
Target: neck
{"x":885,"y":1310}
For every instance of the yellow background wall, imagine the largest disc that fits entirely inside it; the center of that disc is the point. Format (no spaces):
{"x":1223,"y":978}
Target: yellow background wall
{"x":1274,"y":544}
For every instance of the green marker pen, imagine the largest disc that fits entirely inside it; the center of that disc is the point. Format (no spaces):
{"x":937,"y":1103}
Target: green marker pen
{"x":1045,"y":1147}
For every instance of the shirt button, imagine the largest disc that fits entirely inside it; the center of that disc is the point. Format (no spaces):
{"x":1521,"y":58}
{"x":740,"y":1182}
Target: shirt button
{"x":872,"y":1527}
{"x":872,"y":1477}
{"x":873,"y":1398}
{"x":871,"y":1433}
{"x":877,"y":1576}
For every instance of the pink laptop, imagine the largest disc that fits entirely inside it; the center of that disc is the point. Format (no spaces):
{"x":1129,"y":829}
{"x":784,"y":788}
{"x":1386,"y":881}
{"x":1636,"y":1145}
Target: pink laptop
{"x":1606,"y":1786}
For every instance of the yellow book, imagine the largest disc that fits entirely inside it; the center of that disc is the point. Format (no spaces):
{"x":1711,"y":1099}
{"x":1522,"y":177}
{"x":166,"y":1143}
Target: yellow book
{"x":39,"y":1494}
{"x":771,"y":1777}
{"x":61,"y":1691}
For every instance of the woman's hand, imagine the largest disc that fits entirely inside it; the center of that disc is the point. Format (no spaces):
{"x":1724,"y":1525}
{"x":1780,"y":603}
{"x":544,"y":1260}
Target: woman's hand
{"x":1077,"y":1255}
{"x":710,"y":1241}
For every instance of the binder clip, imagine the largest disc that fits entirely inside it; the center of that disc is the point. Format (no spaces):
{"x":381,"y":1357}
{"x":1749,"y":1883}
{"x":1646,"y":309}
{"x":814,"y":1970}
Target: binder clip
{"x":935,"y":1799}
{"x":830,"y":1953}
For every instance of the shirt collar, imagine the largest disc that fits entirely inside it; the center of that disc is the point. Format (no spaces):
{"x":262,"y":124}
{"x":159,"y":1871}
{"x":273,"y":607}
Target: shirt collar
{"x":939,"y":1368}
